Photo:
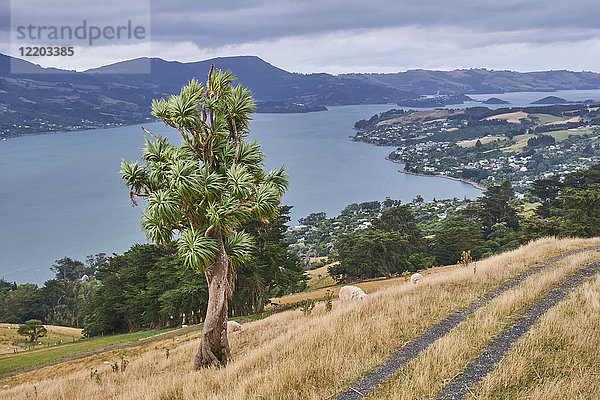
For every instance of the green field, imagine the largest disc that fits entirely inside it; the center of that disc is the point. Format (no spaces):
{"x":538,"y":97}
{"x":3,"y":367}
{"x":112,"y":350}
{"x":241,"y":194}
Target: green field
{"x":564,"y":134}
{"x":547,"y":118}
{"x":520,"y":141}
{"x":28,"y":358}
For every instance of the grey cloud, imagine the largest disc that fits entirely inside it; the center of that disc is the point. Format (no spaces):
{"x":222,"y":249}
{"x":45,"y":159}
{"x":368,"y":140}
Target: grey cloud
{"x":232,"y":22}
{"x":360,"y":35}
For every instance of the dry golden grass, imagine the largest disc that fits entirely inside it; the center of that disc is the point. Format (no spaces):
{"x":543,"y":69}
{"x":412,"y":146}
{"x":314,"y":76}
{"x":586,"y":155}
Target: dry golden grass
{"x":484,"y":140}
{"x":319,"y":293}
{"x":98,"y":360}
{"x":558,"y":359}
{"x":319,"y":278}
{"x":429,"y":373}
{"x":10,"y":340}
{"x":514,"y":117}
{"x":291,"y":356}
{"x":520,"y":143}
{"x":426,"y":116}
{"x":366,"y":286}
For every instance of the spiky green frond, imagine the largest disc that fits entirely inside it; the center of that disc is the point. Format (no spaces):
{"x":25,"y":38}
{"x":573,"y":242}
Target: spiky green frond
{"x":211,"y":183}
{"x":250,"y":154}
{"x":220,"y":81}
{"x":232,"y":213}
{"x":193,"y":90}
{"x":158,"y":173}
{"x":238,"y":247}
{"x":278,"y":178}
{"x":183,"y":178}
{"x":220,"y":124}
{"x":133,"y":175}
{"x":160,"y":109}
{"x":226,"y":215}
{"x":268,"y":198}
{"x":164,"y":207}
{"x":157,"y":150}
{"x":215,"y":214}
{"x":239,"y":107}
{"x":155,"y":230}
{"x":183,"y":109}
{"x":185,"y":152}
{"x":195,"y":250}
{"x":239,"y":181}
{"x":224,"y":150}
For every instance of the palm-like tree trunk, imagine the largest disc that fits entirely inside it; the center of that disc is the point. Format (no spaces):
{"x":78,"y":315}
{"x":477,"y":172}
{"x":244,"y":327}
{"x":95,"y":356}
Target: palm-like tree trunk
{"x":214,"y":346}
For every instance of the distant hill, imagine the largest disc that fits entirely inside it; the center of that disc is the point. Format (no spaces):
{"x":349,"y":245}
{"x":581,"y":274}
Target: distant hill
{"x":266,"y":81}
{"x":471,"y":81}
{"x":495,"y":100}
{"x":550,"y":100}
{"x":40,"y":100}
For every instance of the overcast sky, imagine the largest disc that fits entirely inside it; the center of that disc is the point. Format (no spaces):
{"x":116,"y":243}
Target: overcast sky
{"x":335,"y":36}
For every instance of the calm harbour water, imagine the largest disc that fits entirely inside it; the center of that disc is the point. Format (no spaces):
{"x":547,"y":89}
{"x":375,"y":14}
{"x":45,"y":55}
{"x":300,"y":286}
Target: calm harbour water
{"x":61,"y":194}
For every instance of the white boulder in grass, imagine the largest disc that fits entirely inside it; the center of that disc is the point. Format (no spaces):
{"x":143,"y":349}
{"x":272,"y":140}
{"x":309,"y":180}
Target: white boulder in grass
{"x":415,"y":279}
{"x":349,"y":293}
{"x":234,"y":326}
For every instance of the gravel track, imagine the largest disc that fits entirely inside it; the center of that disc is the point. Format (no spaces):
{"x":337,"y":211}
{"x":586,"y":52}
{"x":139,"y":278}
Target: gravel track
{"x":409,"y":352}
{"x":495,"y":351}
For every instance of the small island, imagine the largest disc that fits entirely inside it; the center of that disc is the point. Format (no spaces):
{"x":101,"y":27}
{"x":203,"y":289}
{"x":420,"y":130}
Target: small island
{"x":550,"y":100}
{"x":495,"y":100}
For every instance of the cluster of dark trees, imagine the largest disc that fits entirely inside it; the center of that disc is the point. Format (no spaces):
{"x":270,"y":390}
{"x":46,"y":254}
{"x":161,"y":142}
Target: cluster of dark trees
{"x":568,"y":206}
{"x":392,"y":245}
{"x":356,"y":208}
{"x":148,"y":286}
{"x":541,"y":140}
{"x":314,"y":217}
{"x":61,"y":301}
{"x":273,"y":271}
{"x":490,"y":225}
{"x":556,"y":127}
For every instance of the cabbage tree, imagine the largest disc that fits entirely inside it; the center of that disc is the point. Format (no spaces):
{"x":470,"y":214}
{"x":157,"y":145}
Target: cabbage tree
{"x":200,"y":192}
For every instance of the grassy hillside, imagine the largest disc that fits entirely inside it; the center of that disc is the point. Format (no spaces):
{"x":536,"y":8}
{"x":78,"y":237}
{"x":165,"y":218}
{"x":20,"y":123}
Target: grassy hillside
{"x":54,"y":349}
{"x":293,"y":356}
{"x":11,"y":341}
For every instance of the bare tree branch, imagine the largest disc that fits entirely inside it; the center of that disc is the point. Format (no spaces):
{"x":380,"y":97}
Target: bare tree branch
{"x":149,"y":133}
{"x":237,"y":141}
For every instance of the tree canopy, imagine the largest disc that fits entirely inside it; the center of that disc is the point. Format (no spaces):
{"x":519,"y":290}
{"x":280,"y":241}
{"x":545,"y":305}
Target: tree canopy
{"x":33,"y":329}
{"x":204,"y":189}
{"x":392,"y":245}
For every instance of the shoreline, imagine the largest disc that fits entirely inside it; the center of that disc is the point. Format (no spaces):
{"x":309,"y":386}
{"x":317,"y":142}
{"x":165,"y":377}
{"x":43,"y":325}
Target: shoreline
{"x":146,"y":121}
{"x":463,"y":180}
